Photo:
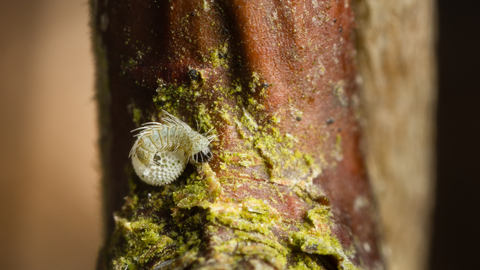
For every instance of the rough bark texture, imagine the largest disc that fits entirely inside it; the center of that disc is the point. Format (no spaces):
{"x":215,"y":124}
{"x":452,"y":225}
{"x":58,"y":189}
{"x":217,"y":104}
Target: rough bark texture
{"x":276,"y":81}
{"x":396,"y":45}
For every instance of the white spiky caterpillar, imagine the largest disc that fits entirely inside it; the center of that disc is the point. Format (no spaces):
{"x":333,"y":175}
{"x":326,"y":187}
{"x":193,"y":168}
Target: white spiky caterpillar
{"x":162,"y":150}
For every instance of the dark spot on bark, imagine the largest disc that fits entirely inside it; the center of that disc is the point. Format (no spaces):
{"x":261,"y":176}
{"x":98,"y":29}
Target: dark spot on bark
{"x":330,"y":121}
{"x":193,"y":74}
{"x":323,"y":200}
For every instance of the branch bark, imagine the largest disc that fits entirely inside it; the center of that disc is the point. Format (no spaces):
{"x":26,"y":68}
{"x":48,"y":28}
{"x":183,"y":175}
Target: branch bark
{"x":276,"y":81}
{"x":396,"y":61}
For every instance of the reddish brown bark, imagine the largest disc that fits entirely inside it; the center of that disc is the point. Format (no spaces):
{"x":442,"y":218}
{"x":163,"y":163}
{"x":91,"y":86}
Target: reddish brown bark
{"x":293,"y":120}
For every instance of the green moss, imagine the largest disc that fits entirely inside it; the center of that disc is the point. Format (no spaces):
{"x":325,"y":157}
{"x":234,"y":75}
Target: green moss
{"x":198,"y":208}
{"x":204,"y":119}
{"x":279,"y":152}
{"x":231,"y":219}
{"x":315,"y":237}
{"x":242,"y":159}
{"x":254,"y":105}
{"x":309,"y":160}
{"x":219,"y":56}
{"x":304,"y":262}
{"x":270,"y":255}
{"x":141,"y":236}
{"x":244,"y":236}
{"x":144,"y":239}
{"x":226,"y":115}
{"x":276,"y":120}
{"x":248,"y":121}
{"x":199,"y":191}
{"x":254,"y":82}
{"x":300,"y":266}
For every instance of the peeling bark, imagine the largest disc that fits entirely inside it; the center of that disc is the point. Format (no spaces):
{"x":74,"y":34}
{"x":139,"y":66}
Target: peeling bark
{"x":275,"y":80}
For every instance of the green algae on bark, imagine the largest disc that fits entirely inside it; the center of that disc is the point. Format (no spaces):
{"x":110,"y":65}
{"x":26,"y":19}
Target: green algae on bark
{"x":251,"y":228}
{"x":316,"y":237}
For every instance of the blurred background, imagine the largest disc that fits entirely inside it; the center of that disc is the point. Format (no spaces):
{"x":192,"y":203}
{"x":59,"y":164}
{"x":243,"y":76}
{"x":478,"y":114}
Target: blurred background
{"x":456,"y":231}
{"x":49,"y":176}
{"x":49,"y":169}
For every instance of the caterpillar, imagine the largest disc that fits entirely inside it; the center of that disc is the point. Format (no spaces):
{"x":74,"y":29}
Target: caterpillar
{"x":161,"y":151}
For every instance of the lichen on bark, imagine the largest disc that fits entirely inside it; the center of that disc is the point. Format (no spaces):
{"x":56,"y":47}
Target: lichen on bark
{"x":165,"y":229}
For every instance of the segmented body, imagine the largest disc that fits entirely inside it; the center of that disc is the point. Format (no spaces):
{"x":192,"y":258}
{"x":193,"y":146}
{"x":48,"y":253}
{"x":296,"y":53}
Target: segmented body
{"x":162,"y":150}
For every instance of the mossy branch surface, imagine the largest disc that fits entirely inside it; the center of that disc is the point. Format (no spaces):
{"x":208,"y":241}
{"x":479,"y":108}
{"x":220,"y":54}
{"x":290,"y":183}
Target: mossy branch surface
{"x":286,"y":188}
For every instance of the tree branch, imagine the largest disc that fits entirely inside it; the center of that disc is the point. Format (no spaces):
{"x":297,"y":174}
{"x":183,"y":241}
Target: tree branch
{"x":276,"y":81}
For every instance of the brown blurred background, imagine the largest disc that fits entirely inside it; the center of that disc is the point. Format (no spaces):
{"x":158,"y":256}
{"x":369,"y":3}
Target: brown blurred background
{"x":49,"y":176}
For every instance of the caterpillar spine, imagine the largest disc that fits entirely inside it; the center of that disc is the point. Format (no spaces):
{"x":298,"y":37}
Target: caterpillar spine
{"x":162,"y":150}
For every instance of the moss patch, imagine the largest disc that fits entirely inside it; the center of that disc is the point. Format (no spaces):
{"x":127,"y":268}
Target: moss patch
{"x":315,"y":237}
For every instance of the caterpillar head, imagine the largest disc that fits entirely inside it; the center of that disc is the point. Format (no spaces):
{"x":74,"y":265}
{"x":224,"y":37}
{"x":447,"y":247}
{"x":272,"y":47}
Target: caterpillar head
{"x":204,"y":155}
{"x":201,"y":150}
